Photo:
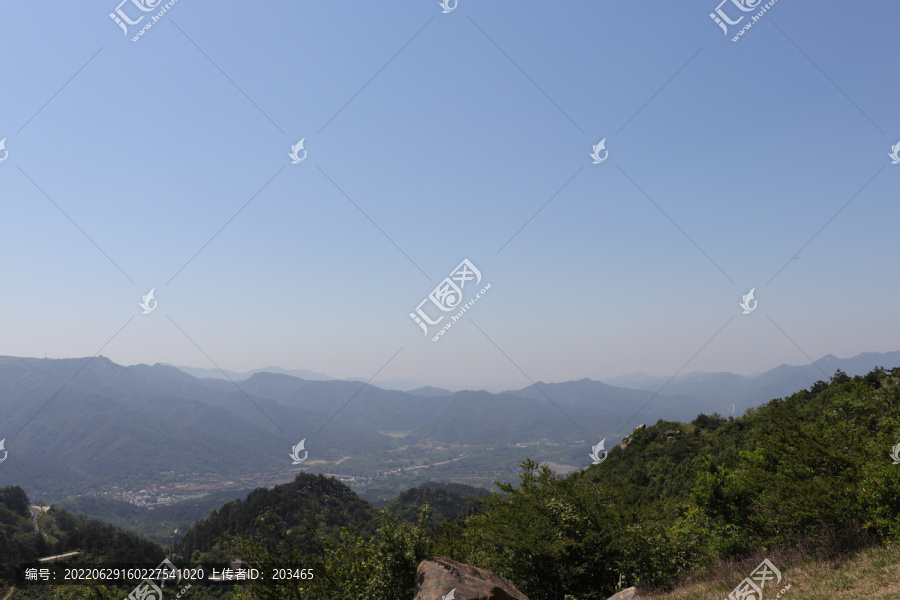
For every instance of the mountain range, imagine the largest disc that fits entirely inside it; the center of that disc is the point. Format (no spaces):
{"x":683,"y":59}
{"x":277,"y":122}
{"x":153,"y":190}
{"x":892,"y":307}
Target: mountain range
{"x":72,"y":424}
{"x":202,"y":373}
{"x":748,"y":391}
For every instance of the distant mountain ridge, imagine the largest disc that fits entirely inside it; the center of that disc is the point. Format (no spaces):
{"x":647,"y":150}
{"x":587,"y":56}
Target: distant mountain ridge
{"x":745,"y":391}
{"x":202,"y":373}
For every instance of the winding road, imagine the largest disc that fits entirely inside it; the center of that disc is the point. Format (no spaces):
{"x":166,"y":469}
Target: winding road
{"x":35,"y":511}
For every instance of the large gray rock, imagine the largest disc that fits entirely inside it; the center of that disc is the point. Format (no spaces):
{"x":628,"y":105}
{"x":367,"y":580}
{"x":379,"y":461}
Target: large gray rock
{"x":436,"y":577}
{"x":626,"y":594}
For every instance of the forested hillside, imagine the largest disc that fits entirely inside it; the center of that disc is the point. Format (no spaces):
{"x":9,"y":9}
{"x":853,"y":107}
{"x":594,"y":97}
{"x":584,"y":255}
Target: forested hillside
{"x":308,"y":499}
{"x":447,"y":501}
{"x":59,"y":533}
{"x":164,"y":524}
{"x":811,"y":471}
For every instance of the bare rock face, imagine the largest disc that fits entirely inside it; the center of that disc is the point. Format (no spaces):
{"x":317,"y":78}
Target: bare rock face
{"x":627,"y":439}
{"x":672,"y":433}
{"x":437,"y":577}
{"x":626,"y":594}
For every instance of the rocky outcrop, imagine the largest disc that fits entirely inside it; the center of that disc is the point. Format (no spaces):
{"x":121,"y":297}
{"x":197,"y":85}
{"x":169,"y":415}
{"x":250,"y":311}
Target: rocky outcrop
{"x":437,"y":577}
{"x":626,"y":594}
{"x":672,"y":433}
{"x":627,"y":439}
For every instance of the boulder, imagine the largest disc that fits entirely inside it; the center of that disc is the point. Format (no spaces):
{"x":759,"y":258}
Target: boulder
{"x":626,"y":594}
{"x":672,"y":433}
{"x":436,"y":577}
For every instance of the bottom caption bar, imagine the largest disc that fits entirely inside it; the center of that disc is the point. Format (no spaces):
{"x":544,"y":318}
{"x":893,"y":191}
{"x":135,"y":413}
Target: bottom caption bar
{"x":155,"y":576}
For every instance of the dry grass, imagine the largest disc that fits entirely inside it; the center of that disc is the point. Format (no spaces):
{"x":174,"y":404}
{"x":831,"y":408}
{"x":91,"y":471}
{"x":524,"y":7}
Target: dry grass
{"x":871,"y":574}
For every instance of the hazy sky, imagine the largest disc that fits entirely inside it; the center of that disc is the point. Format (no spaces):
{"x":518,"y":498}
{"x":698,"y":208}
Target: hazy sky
{"x":436,"y":137}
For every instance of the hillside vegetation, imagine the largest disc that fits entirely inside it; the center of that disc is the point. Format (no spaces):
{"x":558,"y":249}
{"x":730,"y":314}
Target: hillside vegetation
{"x":163,"y":524}
{"x":58,"y":533}
{"x":809,"y":472}
{"x":308,"y":499}
{"x":805,"y":477}
{"x":872,"y":574}
{"x":446,"y":501}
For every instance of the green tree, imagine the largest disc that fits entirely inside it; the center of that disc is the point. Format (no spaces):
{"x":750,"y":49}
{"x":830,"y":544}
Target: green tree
{"x":347,"y":565}
{"x":549,"y":536}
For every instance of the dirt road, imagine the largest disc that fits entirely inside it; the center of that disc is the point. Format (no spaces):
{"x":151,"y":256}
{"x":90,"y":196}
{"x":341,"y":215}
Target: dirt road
{"x":35,"y":511}
{"x":49,"y":558}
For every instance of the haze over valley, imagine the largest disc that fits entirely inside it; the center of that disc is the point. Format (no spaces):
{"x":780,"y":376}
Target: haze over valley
{"x":154,"y":435}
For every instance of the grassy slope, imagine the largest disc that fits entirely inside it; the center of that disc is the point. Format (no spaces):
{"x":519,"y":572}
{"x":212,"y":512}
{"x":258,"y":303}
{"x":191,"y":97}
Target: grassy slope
{"x":873,"y":574}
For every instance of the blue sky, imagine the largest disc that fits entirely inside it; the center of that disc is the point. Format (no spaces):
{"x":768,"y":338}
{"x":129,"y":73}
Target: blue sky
{"x":435,"y":137}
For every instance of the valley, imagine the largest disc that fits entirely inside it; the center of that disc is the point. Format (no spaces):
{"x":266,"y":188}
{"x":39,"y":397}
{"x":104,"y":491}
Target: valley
{"x":374,"y":480}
